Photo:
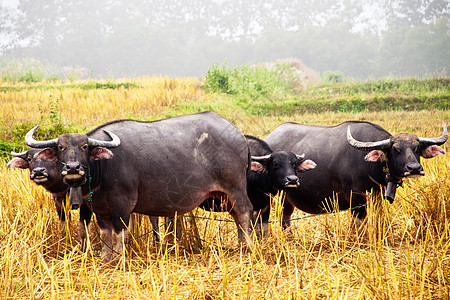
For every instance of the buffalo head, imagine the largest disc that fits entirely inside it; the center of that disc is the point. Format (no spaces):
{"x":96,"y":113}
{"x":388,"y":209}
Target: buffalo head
{"x":401,"y":151}
{"x":41,"y":163}
{"x":282,"y":166}
{"x":74,"y":151}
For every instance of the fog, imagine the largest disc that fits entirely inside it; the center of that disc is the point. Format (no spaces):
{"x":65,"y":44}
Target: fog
{"x":117,"y":38}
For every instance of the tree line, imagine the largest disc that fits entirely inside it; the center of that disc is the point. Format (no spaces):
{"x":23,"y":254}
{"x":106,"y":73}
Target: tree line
{"x":118,"y":38}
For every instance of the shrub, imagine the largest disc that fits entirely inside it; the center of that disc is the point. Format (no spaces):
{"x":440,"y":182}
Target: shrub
{"x":265,"y":81}
{"x":218,"y":79}
{"x":333,"y":77}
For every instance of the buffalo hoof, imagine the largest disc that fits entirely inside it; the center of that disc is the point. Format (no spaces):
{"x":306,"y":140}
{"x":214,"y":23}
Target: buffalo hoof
{"x":111,"y":258}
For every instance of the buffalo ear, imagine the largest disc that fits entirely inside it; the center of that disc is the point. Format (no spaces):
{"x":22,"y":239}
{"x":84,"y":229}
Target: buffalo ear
{"x":18,"y":162}
{"x":375,"y":155}
{"x":306,"y":165}
{"x":432,"y":151}
{"x":99,"y":153}
{"x":258,"y":167}
{"x":47,"y":154}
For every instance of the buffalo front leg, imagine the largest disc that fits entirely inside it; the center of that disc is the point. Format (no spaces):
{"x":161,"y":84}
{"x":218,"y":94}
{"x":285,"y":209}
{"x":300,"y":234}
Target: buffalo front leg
{"x":261,"y":221}
{"x":155,"y":225}
{"x":106,"y":237}
{"x":59,"y":200}
{"x":173,"y":230}
{"x":359,"y":210}
{"x":288,"y":210}
{"x":83,"y":225}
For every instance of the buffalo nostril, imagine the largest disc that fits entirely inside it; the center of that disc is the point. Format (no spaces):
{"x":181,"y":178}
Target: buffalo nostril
{"x":292,"y":178}
{"x":39,"y":171}
{"x":72,"y":168}
{"x":415,"y":167}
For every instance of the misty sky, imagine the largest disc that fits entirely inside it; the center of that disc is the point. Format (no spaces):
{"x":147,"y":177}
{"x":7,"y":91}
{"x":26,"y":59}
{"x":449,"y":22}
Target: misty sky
{"x":185,"y":37}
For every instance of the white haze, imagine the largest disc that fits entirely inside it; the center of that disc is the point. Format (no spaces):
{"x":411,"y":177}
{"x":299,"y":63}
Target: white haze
{"x":184,"y":37}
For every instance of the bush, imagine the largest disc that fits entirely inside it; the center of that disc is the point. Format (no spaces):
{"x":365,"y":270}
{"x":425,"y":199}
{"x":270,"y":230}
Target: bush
{"x":218,"y":79}
{"x":266,"y":81}
{"x":333,"y":77}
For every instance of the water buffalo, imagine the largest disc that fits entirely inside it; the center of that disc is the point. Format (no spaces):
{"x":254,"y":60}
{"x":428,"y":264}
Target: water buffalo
{"x":270,"y":172}
{"x":155,"y":168}
{"x":45,"y":171}
{"x":352,"y":158}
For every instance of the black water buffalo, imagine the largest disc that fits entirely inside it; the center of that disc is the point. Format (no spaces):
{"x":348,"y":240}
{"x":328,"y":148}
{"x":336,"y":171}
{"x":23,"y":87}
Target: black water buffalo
{"x":155,"y":168}
{"x":270,"y":172}
{"x":45,"y":171}
{"x":352,"y":158}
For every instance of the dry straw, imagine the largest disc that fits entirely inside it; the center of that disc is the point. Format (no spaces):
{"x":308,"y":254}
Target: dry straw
{"x":402,"y":250}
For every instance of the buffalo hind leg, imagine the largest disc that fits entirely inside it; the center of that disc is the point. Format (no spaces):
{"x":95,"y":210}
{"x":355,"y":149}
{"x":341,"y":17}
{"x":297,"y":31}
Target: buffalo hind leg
{"x":242,"y":213}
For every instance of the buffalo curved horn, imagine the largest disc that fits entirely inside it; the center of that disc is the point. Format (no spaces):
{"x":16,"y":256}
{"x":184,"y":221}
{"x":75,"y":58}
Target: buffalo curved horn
{"x":15,"y":154}
{"x":108,"y":144}
{"x":435,"y":141}
{"x":261,"y":158}
{"x":367,"y":146}
{"x":300,"y":157}
{"x":30,"y":141}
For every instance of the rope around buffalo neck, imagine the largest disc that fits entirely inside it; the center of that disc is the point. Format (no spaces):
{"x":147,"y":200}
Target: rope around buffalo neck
{"x":89,"y":198}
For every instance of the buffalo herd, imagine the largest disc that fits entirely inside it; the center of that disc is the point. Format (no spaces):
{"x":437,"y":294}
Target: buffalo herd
{"x":171,"y":166}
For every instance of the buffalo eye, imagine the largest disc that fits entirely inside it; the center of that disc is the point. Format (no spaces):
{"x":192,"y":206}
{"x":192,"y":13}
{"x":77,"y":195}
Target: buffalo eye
{"x":275,"y":165}
{"x":397,"y":149}
{"x":29,"y":159}
{"x":61,"y":147}
{"x":84,"y":147}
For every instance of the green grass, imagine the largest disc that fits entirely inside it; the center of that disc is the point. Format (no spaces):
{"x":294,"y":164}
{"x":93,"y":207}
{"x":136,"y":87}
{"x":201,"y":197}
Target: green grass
{"x":90,"y":85}
{"x":261,"y":91}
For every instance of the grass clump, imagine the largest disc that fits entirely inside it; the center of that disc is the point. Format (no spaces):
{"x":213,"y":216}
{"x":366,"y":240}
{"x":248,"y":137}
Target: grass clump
{"x":262,"y":81}
{"x":333,"y":77}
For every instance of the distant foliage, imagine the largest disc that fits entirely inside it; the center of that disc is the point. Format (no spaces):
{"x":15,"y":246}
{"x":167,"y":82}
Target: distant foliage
{"x":26,"y":70}
{"x":32,"y":70}
{"x":6,"y":148}
{"x":270,"y":81}
{"x":89,"y":85}
{"x":217,"y":79}
{"x":333,"y":77}
{"x":282,"y":88}
{"x":50,"y":121}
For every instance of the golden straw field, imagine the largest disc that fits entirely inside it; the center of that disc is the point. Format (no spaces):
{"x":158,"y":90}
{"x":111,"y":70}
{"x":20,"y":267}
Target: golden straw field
{"x":401,"y":252}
